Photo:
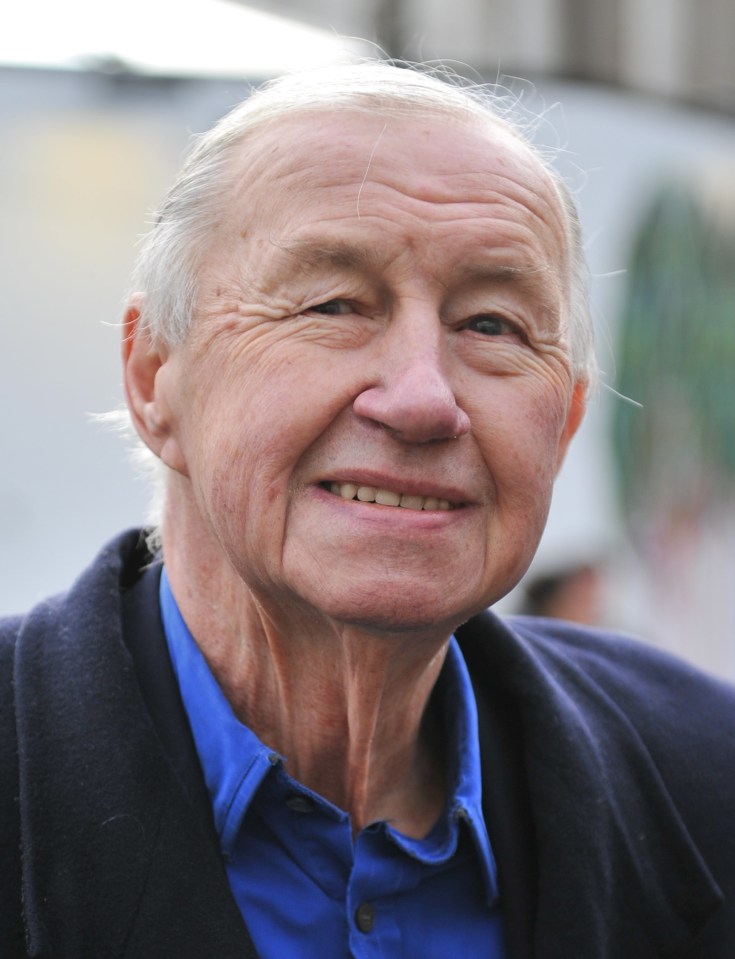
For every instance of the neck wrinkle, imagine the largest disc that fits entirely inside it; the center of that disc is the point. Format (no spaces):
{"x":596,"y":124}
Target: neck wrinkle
{"x":347,"y":707}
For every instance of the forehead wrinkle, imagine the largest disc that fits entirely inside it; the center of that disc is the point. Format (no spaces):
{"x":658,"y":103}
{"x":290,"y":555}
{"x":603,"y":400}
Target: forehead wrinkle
{"x":347,"y":255}
{"x":524,"y":276}
{"x":337,"y":253}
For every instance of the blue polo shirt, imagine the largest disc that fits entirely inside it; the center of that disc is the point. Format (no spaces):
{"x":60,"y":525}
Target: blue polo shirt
{"x":304,"y":886}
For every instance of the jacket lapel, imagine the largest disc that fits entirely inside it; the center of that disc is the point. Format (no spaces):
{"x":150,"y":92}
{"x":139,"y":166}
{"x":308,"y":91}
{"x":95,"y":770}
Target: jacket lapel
{"x":116,"y":859}
{"x":616,"y":866}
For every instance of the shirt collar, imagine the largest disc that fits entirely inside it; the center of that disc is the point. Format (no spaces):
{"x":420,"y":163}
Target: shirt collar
{"x":465,"y":779}
{"x":235,"y":762}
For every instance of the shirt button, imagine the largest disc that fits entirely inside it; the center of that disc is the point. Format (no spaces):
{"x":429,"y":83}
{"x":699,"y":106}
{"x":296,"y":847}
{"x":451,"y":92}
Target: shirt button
{"x":299,"y":803}
{"x":365,"y":917}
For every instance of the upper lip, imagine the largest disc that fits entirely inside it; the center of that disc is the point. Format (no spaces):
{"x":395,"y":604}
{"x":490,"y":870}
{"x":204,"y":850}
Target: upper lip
{"x":413,"y":486}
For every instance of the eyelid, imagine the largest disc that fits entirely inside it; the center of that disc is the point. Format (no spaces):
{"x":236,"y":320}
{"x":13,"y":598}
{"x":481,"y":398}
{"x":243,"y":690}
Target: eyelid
{"x":511,"y":327}
{"x":342,"y":301}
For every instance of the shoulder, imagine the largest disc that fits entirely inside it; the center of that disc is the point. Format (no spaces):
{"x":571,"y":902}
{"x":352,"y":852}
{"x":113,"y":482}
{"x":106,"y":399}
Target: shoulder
{"x":641,"y":678}
{"x":605,"y":682}
{"x":115,"y":568}
{"x":11,"y":932}
{"x":613,"y":689}
{"x":9,"y":629}
{"x":56,"y":630}
{"x":575,"y":657}
{"x":8,"y":635}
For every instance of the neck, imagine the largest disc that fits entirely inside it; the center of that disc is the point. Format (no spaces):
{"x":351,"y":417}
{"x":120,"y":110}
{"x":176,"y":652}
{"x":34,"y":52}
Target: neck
{"x":349,"y":708}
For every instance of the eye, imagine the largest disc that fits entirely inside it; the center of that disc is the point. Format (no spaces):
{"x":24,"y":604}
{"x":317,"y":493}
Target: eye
{"x":332,"y":308}
{"x":490,"y":324}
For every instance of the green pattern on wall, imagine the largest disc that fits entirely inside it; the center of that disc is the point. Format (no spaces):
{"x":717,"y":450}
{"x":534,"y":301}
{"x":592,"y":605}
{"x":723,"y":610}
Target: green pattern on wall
{"x":676,"y":357}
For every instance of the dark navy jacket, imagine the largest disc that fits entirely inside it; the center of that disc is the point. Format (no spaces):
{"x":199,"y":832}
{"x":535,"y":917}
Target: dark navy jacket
{"x":608,"y":778}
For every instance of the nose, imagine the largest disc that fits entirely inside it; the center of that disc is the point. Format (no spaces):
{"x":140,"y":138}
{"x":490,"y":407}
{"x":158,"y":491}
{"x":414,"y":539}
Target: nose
{"x":412,"y":396}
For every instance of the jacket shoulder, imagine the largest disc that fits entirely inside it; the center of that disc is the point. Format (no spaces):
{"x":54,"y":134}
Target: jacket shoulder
{"x":614,"y":687}
{"x":681,"y":717}
{"x":11,"y":926}
{"x":9,"y":629}
{"x":645,"y":681}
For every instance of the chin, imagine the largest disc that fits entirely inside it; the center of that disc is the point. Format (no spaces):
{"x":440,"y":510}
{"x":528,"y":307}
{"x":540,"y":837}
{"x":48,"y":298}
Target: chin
{"x":408,"y":612}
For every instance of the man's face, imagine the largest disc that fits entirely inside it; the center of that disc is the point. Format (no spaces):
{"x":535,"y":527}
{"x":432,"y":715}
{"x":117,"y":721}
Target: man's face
{"x":381,"y":308}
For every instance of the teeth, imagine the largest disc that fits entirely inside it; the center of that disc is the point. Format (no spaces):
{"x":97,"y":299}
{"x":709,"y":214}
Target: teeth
{"x":386,"y":497}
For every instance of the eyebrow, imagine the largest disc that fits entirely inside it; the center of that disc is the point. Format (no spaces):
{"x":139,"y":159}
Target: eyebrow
{"x":338,"y":253}
{"x":492,"y":268}
{"x":346,"y":255}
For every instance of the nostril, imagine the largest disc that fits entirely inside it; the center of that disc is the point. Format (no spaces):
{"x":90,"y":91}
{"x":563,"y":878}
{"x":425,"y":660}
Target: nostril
{"x":414,"y":409}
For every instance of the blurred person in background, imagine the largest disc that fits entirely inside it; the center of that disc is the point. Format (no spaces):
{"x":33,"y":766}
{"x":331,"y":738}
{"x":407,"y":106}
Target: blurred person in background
{"x":574,"y":593}
{"x":282,"y":722}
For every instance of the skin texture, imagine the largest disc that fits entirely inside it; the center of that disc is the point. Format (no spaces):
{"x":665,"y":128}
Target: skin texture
{"x":382,"y":302}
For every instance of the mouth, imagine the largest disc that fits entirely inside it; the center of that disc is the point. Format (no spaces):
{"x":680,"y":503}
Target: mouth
{"x":387,"y":497}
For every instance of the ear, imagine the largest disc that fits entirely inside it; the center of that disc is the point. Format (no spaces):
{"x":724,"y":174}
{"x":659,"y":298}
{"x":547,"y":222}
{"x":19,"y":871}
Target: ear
{"x":575,"y":415}
{"x":150,"y":385}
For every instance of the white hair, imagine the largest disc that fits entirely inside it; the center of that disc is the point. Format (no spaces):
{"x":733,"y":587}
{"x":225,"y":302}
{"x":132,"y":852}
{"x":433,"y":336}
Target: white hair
{"x":170,"y":258}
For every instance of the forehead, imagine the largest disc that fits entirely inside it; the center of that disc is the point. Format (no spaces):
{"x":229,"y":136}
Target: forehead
{"x":433,"y":174}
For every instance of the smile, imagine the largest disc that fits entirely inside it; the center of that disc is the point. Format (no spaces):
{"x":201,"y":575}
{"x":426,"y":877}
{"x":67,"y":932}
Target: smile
{"x":385,"y":497}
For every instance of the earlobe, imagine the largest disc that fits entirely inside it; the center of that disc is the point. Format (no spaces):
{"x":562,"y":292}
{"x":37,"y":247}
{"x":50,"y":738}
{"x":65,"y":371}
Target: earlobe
{"x":575,"y":415}
{"x":147,"y":387}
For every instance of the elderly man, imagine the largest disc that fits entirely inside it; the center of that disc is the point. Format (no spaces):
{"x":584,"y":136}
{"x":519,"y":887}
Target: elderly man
{"x":360,"y":350}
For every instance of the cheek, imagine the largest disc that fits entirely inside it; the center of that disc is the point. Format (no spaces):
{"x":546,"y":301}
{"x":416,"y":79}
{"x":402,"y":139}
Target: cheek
{"x":545,"y":424}
{"x":243,"y":509}
{"x":217,"y":487}
{"x":518,"y":429}
{"x":245,"y":432}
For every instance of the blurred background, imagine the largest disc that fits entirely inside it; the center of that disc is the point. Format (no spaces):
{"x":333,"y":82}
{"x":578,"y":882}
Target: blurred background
{"x":97,"y":101}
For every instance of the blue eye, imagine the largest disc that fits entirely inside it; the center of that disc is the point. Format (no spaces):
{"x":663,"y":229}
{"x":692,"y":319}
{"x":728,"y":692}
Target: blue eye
{"x":332,"y":308}
{"x":490,"y":325}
